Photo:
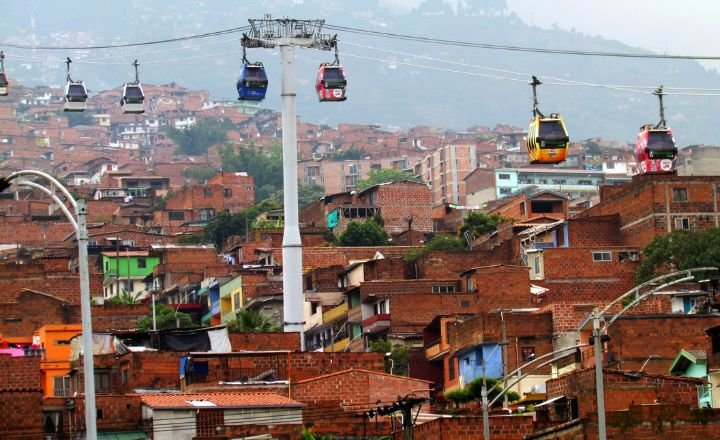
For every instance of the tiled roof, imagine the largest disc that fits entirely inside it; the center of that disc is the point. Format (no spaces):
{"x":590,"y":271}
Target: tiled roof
{"x":224,"y":400}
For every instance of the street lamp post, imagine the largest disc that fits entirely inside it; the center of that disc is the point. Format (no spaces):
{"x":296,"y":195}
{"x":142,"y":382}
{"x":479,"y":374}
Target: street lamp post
{"x":81,"y":234}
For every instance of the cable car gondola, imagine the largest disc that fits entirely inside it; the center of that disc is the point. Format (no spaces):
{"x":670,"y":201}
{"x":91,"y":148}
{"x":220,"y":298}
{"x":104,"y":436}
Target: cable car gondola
{"x":252,"y":82}
{"x":4,"y":84}
{"x":133,"y":98}
{"x":330,"y":83}
{"x":75,"y":93}
{"x":547,"y":139}
{"x":655,"y":149}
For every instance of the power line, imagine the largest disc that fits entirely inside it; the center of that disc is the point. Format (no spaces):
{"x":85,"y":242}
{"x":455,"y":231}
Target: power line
{"x":517,"y":48}
{"x":115,"y":46}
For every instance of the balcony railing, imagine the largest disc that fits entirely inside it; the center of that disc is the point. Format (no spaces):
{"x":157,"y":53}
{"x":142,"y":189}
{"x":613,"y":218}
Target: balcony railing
{"x":338,"y":346}
{"x":335,"y":313}
{"x":376,"y":323}
{"x":243,"y":375}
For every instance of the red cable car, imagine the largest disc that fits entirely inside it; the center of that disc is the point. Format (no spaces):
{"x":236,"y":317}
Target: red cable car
{"x":331,"y":83}
{"x":4,"y":83}
{"x":655,"y":150}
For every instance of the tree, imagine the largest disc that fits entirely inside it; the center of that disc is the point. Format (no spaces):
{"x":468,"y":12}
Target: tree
{"x":473,"y":392}
{"x":479,"y":224}
{"x":385,"y":175}
{"x":398,"y":354}
{"x":79,"y":118}
{"x":367,"y":233}
{"x":165,"y":319}
{"x":593,"y":148}
{"x":265,"y":168}
{"x":445,"y":242}
{"x":248,"y":320}
{"x":351,"y":154}
{"x":199,"y":174}
{"x":126,"y":297}
{"x":681,"y":249}
{"x":226,"y":225}
{"x":195,"y":140}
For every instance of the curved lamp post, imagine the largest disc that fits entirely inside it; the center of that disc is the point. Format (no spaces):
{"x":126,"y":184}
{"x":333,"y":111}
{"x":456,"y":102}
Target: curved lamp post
{"x":80,"y":225}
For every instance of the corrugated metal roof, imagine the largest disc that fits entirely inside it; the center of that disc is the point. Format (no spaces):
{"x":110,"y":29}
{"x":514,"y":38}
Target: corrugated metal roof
{"x":223,"y":400}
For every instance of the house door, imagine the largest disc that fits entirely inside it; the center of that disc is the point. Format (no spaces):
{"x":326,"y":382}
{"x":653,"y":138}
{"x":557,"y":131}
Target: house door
{"x":208,"y":420}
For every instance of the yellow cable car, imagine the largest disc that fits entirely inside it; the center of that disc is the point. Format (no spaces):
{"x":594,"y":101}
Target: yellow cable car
{"x":547,"y":140}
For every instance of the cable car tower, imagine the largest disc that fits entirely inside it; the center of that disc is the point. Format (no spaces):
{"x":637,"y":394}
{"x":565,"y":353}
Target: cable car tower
{"x":287,"y":34}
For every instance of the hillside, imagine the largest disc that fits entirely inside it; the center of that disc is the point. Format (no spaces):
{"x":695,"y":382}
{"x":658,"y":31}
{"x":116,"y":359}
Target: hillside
{"x":387,"y":85}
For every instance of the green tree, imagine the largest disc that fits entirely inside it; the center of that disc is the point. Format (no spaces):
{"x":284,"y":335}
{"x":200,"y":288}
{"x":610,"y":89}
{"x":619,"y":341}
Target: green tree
{"x":265,"y":168}
{"x":79,"y":118}
{"x":473,"y":392}
{"x":126,"y":297}
{"x":479,"y":224}
{"x":681,"y":249}
{"x":399,"y":354}
{"x":225,"y":225}
{"x":248,"y":320}
{"x":165,"y":318}
{"x":367,"y":233}
{"x":385,"y":175}
{"x":307,"y":194}
{"x":200,"y":174}
{"x":592,"y":148}
{"x":192,"y":239}
{"x":445,"y":242}
{"x":351,"y":154}
{"x":195,"y":140}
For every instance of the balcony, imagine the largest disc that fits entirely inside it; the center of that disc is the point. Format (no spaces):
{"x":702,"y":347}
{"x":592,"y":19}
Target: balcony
{"x":354,"y":314}
{"x":338,"y":346}
{"x":335,"y":314}
{"x":376,"y":323}
{"x":435,"y":350}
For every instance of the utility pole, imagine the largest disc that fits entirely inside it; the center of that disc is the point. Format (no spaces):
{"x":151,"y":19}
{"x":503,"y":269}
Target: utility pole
{"x":599,"y":387}
{"x":288,"y":34}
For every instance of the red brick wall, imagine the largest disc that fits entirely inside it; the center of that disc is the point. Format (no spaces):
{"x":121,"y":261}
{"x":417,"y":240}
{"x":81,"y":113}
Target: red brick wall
{"x":471,"y":427}
{"x":20,"y":373}
{"x":595,"y":231}
{"x":35,"y":234}
{"x":647,"y":199}
{"x":502,"y":287}
{"x":20,"y":414}
{"x":265,"y":341}
{"x":447,"y":264}
{"x":622,"y":390}
{"x":399,"y":200}
{"x":634,"y":338}
{"x":122,"y":412}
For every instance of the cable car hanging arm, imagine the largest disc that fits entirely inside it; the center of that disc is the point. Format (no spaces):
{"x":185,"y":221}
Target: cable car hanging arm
{"x":2,"y":62}
{"x":334,"y":44}
{"x":137,"y":75}
{"x":536,"y":82}
{"x":68,"y":61}
{"x":659,"y":93}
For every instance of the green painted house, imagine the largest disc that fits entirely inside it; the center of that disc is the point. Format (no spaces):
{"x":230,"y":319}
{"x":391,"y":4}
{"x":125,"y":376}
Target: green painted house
{"x":693,"y":363}
{"x":125,"y":271}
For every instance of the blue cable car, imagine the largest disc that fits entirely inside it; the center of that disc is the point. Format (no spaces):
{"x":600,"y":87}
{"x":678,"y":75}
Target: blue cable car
{"x":252,"y":82}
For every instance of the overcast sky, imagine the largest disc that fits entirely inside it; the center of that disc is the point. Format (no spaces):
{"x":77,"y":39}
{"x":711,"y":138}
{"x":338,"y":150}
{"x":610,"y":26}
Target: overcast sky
{"x":674,"y":27}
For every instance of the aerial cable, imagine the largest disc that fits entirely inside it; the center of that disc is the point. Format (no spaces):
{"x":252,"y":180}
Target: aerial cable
{"x":145,"y":43}
{"x":518,"y":48}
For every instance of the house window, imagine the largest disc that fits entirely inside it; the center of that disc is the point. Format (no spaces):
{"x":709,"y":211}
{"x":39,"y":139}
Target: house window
{"x":537,"y":265}
{"x":451,"y":368}
{"x":503,"y":176}
{"x":443,"y":289}
{"x":680,"y":195}
{"x":629,"y":256}
{"x":682,"y":223}
{"x":102,"y":382}
{"x":469,"y":284}
{"x":381,"y":307}
{"x":236,"y":300}
{"x":141,"y":263}
{"x":207,"y":192}
{"x":176,"y":215}
{"x":313,"y":308}
{"x":128,"y":243}
{"x":61,"y":386}
{"x":527,"y":353}
{"x":207,"y":214}
{"x":227,"y":192}
{"x":715,"y":338}
{"x":129,"y":286}
{"x":602,"y":256}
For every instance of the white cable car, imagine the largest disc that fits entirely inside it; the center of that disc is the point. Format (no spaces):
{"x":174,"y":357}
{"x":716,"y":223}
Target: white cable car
{"x":75,"y":93}
{"x":133,"y":98}
{"x":4,"y":84}
{"x":75,"y":97}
